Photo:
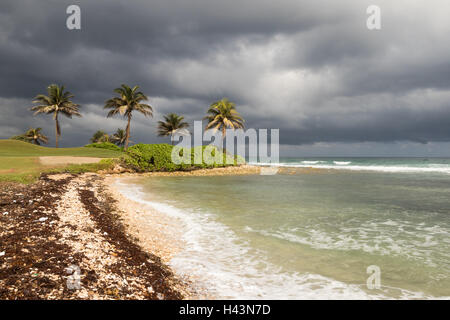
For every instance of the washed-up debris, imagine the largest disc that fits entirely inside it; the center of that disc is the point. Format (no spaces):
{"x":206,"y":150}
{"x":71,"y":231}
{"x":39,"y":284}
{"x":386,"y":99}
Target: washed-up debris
{"x":80,"y":212}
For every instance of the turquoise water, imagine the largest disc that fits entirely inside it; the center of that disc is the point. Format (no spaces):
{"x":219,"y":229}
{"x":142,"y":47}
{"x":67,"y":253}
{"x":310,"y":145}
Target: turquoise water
{"x":299,"y":235}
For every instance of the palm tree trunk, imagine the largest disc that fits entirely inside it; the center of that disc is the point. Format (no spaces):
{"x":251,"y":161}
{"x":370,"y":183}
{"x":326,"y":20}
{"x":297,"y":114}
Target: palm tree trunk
{"x":56,"y":131}
{"x":127,"y":135}
{"x":224,"y":132}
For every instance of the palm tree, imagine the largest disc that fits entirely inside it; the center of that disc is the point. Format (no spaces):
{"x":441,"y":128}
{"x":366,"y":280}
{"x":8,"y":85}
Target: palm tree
{"x":99,"y":136}
{"x":119,"y":137}
{"x":222,"y":115}
{"x":58,"y":101}
{"x":129,"y":100}
{"x":35,"y":136}
{"x":172,"y":124}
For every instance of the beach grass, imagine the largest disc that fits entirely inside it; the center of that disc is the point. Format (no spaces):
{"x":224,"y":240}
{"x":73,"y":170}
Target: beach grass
{"x":19,"y":161}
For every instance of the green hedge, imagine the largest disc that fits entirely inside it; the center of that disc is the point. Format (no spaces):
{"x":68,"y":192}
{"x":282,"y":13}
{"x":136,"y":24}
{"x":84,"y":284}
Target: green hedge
{"x":158,"y":157}
{"x":104,"y":145}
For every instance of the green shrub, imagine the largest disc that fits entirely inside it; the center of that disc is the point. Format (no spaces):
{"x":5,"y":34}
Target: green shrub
{"x":104,"y":145}
{"x":158,"y":157}
{"x":150,"y":157}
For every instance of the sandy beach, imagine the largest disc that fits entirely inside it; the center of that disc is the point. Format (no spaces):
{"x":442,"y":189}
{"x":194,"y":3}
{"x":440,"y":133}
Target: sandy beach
{"x":68,"y":229}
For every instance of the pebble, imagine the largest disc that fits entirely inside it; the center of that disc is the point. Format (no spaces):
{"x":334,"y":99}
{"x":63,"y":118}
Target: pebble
{"x":5,"y":213}
{"x":2,"y":253}
{"x":43,"y":219}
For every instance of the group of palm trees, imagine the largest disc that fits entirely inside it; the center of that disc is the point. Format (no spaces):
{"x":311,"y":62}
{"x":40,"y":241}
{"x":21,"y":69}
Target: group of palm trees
{"x":221,"y":115}
{"x":117,"y":138}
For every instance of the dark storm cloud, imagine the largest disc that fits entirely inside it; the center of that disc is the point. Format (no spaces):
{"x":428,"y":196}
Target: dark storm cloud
{"x":310,"y":68}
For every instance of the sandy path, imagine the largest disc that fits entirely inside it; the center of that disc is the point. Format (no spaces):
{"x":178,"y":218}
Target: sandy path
{"x":59,"y":160}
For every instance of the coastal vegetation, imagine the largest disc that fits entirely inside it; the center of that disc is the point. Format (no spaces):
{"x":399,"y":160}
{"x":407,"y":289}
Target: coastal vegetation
{"x":171,"y":125}
{"x":56,"y":102}
{"x":105,"y":145}
{"x":20,"y":155}
{"x":129,"y":100}
{"x":119,"y":137}
{"x":222,"y":115}
{"x":20,"y":161}
{"x":99,"y":136}
{"x":33,"y":135}
{"x":158,"y":157}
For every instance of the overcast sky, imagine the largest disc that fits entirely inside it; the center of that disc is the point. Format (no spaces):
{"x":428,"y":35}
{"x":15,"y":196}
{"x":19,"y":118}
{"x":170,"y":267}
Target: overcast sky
{"x":310,"y":68}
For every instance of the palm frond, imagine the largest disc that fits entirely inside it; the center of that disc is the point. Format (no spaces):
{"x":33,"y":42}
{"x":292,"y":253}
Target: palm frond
{"x":222,"y":114}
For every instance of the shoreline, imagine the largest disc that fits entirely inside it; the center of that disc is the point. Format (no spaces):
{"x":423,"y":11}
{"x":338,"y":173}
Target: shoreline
{"x":155,"y":231}
{"x":69,"y":227}
{"x":125,"y":247}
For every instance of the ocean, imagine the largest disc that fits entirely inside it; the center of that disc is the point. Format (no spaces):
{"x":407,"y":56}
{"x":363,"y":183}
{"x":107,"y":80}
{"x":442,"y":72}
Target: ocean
{"x":313,"y":234}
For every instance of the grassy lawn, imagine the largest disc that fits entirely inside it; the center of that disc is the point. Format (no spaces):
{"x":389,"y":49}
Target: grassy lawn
{"x":13,"y":148}
{"x":19,"y":160}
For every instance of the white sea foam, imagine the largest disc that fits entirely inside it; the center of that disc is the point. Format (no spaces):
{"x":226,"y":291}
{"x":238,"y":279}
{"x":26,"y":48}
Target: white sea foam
{"x":231,"y":269}
{"x":389,"y":238}
{"x":342,"y":163}
{"x":312,"y":162}
{"x":344,"y":166}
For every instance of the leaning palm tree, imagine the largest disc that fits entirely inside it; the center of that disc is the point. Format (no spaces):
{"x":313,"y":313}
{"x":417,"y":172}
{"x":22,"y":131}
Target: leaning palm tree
{"x":35,"y":136}
{"x":172,"y":124}
{"x":222,"y":115}
{"x":119,"y":137}
{"x":99,"y":136}
{"x":57,"y":102}
{"x":129,"y":100}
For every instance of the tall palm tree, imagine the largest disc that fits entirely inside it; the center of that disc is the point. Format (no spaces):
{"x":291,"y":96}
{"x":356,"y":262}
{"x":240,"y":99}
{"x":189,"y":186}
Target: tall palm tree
{"x":172,"y":124}
{"x":119,"y":137}
{"x":222,"y":115}
{"x":129,"y":100}
{"x":57,"y":102}
{"x":99,"y":136}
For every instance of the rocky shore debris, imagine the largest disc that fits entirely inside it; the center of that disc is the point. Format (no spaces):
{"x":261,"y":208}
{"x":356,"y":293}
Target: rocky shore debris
{"x":69,"y":221}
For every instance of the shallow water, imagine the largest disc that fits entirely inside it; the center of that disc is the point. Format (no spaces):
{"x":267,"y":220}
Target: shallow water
{"x":299,"y":236}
